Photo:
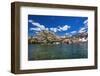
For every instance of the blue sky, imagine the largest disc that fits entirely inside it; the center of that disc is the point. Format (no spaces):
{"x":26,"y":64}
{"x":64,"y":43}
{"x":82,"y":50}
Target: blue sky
{"x":61,"y":25}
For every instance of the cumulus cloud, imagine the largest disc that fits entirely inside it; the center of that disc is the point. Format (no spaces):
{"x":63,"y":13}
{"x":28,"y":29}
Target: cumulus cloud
{"x":86,"y":21}
{"x":53,"y":29}
{"x":82,"y":30}
{"x":73,"y":32}
{"x":64,"y":28}
{"x":30,"y":21}
{"x":85,"y":27}
{"x":67,"y":34}
{"x":35,"y":29}
{"x":47,"y":29}
{"x":38,"y":25}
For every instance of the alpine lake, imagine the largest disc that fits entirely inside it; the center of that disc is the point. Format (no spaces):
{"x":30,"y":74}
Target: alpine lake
{"x":59,"y":51}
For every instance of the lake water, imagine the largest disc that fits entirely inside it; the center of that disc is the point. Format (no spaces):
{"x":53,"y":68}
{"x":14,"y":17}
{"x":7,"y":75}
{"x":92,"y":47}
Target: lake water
{"x":61,"y":51}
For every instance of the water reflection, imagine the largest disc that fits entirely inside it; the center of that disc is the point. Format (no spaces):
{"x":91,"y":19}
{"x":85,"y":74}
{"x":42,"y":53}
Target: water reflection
{"x":61,"y":51}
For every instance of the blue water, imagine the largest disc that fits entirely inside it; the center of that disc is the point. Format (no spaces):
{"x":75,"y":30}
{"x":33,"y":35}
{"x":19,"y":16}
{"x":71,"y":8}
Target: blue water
{"x":61,"y":51}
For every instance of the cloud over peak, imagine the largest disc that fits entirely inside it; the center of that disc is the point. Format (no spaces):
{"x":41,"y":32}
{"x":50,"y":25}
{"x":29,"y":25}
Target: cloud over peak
{"x":40,"y":27}
{"x":85,"y":27}
{"x":64,"y":28}
{"x":73,"y":32}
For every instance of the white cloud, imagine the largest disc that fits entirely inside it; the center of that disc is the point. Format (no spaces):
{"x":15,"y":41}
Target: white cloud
{"x":62,"y":36}
{"x":59,"y":29}
{"x":47,"y":29}
{"x":85,"y":27}
{"x":30,"y":21}
{"x":82,"y":30}
{"x":53,"y":29}
{"x":86,"y":21}
{"x":38,"y":25}
{"x":67,"y":34}
{"x":35,"y":29}
{"x":73,"y":32}
{"x":36,"y":32}
{"x":64,"y":28}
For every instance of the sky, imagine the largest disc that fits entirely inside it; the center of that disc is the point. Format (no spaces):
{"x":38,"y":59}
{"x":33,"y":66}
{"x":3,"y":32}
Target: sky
{"x":60,"y":25}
